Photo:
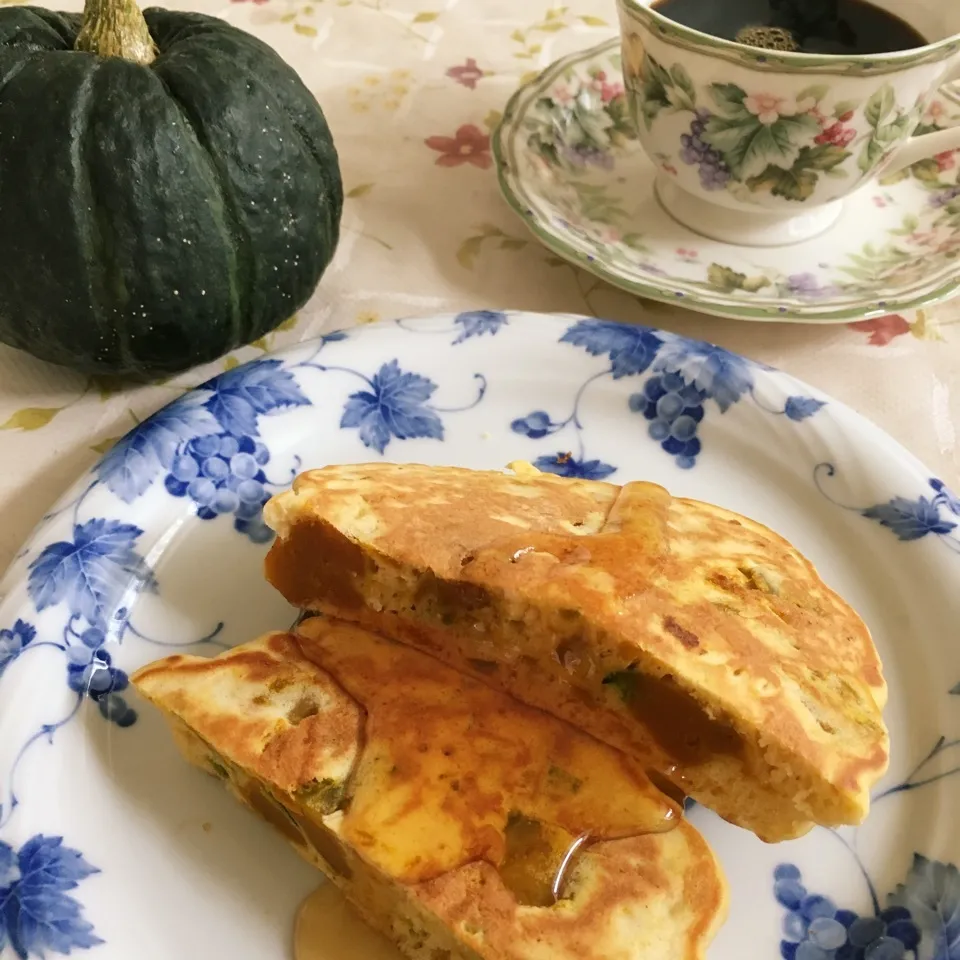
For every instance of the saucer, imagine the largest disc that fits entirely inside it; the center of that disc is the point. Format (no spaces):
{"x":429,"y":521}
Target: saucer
{"x":570,"y":165}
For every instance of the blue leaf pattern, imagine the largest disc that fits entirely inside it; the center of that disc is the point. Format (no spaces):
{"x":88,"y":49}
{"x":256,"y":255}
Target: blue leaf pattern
{"x":932,"y":895}
{"x":565,"y":465}
{"x":9,"y":869}
{"x":90,"y":572}
{"x":136,"y":460}
{"x":207,"y":448}
{"x":719,"y":374}
{"x":631,"y":348}
{"x":36,"y":914}
{"x":395,"y":406}
{"x":13,"y":642}
{"x":910,"y":519}
{"x":475,"y":323}
{"x":799,"y":408}
{"x":946,"y":496}
{"x":240,"y":395}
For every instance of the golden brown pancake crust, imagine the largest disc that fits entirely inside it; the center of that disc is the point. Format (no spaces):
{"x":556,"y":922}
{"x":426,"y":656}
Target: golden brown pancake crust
{"x":240,"y":712}
{"x":592,"y":581}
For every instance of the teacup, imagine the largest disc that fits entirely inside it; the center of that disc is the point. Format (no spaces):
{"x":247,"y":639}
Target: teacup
{"x":758,"y":146}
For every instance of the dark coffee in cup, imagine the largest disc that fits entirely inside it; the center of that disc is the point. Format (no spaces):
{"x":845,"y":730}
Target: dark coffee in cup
{"x":841,"y":27}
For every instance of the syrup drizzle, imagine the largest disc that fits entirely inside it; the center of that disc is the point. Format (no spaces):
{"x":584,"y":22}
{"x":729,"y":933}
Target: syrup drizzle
{"x":538,"y":856}
{"x":328,"y":928}
{"x":453,"y":772}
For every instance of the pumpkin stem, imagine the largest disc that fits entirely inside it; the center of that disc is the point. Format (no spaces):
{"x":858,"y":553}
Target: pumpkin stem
{"x":116,"y":28}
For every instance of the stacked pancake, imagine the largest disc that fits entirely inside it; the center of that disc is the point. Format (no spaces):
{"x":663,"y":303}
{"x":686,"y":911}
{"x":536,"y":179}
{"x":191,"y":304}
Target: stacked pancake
{"x":485,"y":735}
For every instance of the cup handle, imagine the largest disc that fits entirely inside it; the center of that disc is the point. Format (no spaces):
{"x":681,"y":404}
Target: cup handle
{"x":927,"y":144}
{"x":920,"y":148}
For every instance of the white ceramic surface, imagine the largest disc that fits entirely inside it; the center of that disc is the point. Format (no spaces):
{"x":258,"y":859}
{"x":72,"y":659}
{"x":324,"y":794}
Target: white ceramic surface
{"x":110,"y":844}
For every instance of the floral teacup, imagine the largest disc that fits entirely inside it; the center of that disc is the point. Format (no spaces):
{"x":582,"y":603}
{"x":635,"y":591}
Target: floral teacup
{"x":759,"y":146}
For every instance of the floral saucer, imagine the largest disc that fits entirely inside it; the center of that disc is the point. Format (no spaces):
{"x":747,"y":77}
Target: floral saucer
{"x":570,"y":165}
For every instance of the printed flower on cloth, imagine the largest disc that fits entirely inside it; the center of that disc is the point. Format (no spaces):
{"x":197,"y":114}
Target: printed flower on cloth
{"x":468,"y":145}
{"x":882,"y":330}
{"x":467,"y":74}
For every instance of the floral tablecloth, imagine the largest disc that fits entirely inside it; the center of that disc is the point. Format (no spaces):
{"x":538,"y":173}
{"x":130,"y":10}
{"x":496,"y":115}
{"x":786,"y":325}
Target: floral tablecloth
{"x":411,"y":89}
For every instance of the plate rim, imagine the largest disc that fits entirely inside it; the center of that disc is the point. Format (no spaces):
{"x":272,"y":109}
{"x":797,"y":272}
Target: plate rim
{"x":846,"y":417}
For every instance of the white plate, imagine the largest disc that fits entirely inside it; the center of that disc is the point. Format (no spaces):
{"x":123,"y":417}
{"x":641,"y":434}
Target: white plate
{"x":110,"y":843}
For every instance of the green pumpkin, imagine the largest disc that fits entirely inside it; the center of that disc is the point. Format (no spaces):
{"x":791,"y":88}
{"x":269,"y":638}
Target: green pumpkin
{"x":163,"y":200}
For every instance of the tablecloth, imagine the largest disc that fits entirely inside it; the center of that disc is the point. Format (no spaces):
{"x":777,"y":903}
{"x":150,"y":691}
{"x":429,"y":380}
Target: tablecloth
{"x":412,"y":89}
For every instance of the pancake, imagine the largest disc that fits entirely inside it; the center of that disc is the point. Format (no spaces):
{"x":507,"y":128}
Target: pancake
{"x":447,"y":812}
{"x":697,"y":640}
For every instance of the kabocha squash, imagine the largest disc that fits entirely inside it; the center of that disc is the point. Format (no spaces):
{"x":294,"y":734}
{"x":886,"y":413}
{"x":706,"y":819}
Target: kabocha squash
{"x":169,"y":188}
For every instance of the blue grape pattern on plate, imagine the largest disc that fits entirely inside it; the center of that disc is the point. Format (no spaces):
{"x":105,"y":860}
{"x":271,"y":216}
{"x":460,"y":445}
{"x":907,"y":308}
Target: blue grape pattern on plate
{"x":208,"y":447}
{"x":86,"y":577}
{"x":815,"y":929}
{"x":683,"y":378}
{"x":674,"y":409}
{"x":921,"y":920}
{"x":86,"y":582}
{"x":223,"y":474}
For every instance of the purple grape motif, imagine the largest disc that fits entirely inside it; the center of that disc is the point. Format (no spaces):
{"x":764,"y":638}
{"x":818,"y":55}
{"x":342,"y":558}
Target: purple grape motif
{"x":674,"y":409}
{"x":585,"y":154}
{"x":90,"y":672}
{"x":714,"y":173}
{"x":815,"y":929}
{"x":222,"y":473}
